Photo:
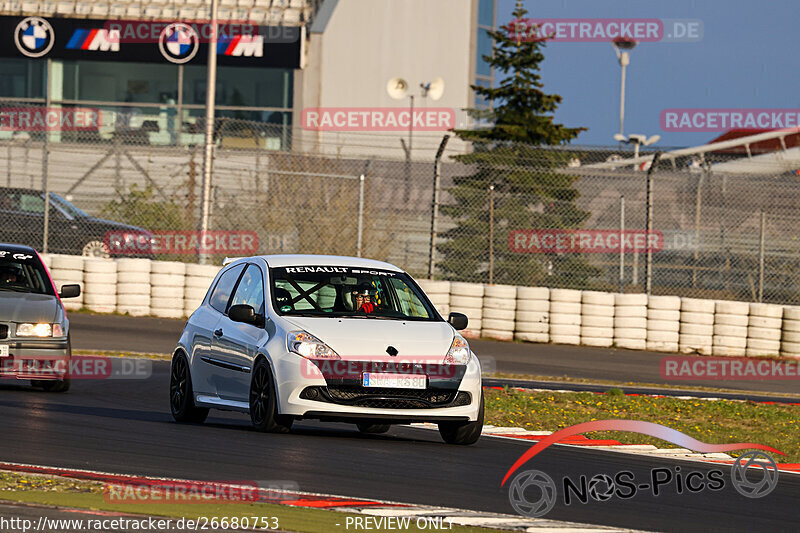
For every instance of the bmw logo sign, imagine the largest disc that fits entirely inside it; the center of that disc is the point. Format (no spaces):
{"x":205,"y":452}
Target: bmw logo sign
{"x":178,"y":42}
{"x":34,"y":37}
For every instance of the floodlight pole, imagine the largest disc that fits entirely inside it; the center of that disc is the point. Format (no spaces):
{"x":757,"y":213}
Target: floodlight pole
{"x":624,"y":60}
{"x":211,"y":85}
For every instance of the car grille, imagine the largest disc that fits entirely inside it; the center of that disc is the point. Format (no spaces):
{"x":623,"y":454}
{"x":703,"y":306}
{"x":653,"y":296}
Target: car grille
{"x":3,"y":331}
{"x":384,"y":398}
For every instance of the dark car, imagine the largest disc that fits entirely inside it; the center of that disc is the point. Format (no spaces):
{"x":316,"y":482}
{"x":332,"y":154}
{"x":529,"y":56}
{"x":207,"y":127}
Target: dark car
{"x":71,"y":231}
{"x":34,"y":330}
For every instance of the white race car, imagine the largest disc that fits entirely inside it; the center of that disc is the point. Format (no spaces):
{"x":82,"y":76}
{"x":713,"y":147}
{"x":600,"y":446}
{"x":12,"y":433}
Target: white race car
{"x":287,"y":337}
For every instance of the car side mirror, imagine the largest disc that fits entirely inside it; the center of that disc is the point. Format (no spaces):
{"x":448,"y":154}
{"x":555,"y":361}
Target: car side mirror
{"x":244,"y":313}
{"x":70,"y":291}
{"x":458,"y":320}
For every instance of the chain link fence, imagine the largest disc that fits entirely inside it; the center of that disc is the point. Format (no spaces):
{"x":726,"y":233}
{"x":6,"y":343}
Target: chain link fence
{"x":724,"y":224}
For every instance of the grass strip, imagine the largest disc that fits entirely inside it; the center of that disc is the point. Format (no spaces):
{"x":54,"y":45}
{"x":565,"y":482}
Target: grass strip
{"x":711,"y":421}
{"x":74,"y":493}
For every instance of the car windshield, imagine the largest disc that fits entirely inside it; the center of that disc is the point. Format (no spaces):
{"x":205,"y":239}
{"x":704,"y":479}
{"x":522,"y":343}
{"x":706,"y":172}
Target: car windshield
{"x":70,"y":209}
{"x":348,"y":292}
{"x":23,"y":272}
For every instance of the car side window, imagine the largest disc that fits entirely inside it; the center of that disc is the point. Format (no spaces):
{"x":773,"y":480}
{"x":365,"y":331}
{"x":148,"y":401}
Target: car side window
{"x":31,"y":203}
{"x":222,"y":291}
{"x":250,"y":290}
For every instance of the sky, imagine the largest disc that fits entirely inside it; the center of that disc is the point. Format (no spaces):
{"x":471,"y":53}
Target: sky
{"x":748,"y":57}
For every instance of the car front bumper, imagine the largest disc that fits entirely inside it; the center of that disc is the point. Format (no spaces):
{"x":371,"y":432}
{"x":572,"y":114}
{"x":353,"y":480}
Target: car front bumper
{"x":36,"y":358}
{"x":295,"y":380}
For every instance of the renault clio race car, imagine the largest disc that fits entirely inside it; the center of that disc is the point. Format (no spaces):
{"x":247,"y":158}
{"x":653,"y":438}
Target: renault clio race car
{"x":34,"y":330}
{"x":288,"y":337}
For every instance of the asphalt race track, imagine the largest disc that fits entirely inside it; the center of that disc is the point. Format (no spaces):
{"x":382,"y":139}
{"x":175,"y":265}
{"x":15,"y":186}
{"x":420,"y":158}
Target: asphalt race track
{"x":124,"y":426}
{"x":159,"y":335}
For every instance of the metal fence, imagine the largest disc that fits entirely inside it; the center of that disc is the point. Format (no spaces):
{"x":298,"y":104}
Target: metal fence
{"x":723,"y":229}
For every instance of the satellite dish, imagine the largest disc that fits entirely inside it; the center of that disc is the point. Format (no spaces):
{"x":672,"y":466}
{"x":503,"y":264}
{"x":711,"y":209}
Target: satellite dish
{"x":397,"y":88}
{"x":436,"y":89}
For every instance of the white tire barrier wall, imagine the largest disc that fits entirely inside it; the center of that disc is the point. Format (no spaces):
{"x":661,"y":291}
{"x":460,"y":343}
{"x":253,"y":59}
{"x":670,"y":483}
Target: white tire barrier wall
{"x":167,"y":289}
{"x":467,"y":298}
{"x":197,"y":281}
{"x":764,"y":330}
{"x":790,"y":335}
{"x":730,"y":328}
{"x":438,"y":293}
{"x":67,"y":270}
{"x":100,"y":281}
{"x":499,"y":312}
{"x":697,"y":326}
{"x":663,"y":323}
{"x":565,"y":316}
{"x":597,"y":319}
{"x":532,"y":316}
{"x":630,"y":321}
{"x":133,"y":286}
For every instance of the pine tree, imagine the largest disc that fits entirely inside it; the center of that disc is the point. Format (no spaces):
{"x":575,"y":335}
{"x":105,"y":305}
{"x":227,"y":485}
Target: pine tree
{"x":518,"y":154}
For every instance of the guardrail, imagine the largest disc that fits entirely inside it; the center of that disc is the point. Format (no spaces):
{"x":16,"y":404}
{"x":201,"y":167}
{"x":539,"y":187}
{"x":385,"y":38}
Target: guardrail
{"x":141,"y":287}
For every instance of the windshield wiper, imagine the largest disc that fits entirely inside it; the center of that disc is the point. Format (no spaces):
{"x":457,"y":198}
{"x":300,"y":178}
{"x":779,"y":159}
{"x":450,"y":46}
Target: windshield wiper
{"x":16,"y":289}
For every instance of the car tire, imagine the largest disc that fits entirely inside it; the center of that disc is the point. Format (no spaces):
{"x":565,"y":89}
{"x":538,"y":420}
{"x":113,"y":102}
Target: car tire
{"x":462,"y":433}
{"x":96,"y":249}
{"x":56,"y":386}
{"x":372,"y":429}
{"x":263,"y":402}
{"x":181,"y":394}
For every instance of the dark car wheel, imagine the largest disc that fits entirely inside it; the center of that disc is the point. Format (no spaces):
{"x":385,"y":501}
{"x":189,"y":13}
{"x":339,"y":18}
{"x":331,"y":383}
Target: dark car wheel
{"x":55,"y":386}
{"x":181,"y":395}
{"x":264,"y":404}
{"x":374,"y":429}
{"x":463,"y":433}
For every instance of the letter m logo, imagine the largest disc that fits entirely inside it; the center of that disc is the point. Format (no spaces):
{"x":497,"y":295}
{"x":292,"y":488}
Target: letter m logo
{"x":105,"y":40}
{"x":249,"y":46}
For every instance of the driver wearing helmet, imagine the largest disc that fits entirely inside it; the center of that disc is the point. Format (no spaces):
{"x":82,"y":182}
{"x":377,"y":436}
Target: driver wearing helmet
{"x":362,"y":298}
{"x":8,"y":276}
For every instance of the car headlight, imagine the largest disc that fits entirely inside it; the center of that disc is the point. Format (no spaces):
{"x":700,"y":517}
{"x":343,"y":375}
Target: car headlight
{"x":459,"y":352}
{"x":308,"y":346}
{"x":34,"y":330}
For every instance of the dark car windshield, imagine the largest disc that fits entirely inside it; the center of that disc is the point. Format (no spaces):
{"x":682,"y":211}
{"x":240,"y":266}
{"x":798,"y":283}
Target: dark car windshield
{"x":23,"y":272}
{"x":70,"y":209}
{"x":348,"y":292}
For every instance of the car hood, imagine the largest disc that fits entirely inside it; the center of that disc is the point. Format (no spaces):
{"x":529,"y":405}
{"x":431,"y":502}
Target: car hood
{"x":360,"y":338}
{"x":27,"y":307}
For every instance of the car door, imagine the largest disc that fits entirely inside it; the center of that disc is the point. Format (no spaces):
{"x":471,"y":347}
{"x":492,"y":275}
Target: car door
{"x":203,"y":323}
{"x":235,"y":344}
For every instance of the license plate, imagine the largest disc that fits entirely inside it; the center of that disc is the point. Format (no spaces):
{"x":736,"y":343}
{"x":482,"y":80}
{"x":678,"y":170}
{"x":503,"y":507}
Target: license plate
{"x":394,"y":381}
{"x":3,"y":350}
